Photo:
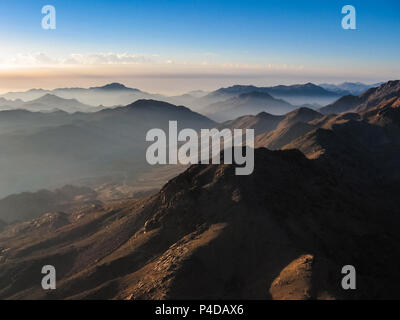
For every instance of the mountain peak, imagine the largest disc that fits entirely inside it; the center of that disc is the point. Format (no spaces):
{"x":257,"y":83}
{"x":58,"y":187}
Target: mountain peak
{"x":36,"y":89}
{"x":50,"y":97}
{"x":303,"y":111}
{"x":158,"y":106}
{"x":264,"y":115}
{"x":114,"y":86}
{"x":302,"y":114}
{"x":143,"y":103}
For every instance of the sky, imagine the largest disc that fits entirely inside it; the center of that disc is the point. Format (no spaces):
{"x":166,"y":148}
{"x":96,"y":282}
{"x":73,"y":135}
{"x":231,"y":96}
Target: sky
{"x":173,"y":46}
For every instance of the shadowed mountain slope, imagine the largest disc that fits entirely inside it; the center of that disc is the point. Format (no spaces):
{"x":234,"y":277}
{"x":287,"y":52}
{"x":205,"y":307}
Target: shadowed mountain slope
{"x":211,"y":234}
{"x":283,"y":135}
{"x":343,"y":104}
{"x":262,"y":122}
{"x":108,"y":95}
{"x":359,"y":139}
{"x":328,"y":199}
{"x":388,"y":92}
{"x":29,"y":205}
{"x":299,"y":115}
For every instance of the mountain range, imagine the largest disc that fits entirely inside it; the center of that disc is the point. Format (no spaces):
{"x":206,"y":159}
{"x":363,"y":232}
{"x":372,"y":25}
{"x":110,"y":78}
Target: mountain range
{"x":108,"y":95}
{"x":295,"y":94}
{"x":346,"y":88}
{"x":48,"y":102}
{"x":371,"y":97}
{"x":116,"y":94}
{"x":245,"y":104}
{"x":323,"y":194}
{"x":42,"y":150}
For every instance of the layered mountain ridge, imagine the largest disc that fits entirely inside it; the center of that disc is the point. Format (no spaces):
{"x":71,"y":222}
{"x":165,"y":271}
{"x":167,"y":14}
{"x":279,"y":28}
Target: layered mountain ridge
{"x":324,"y":198}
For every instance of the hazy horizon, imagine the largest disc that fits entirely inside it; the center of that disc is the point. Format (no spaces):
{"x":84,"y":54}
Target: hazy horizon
{"x":205,"y":88}
{"x":182,"y":46}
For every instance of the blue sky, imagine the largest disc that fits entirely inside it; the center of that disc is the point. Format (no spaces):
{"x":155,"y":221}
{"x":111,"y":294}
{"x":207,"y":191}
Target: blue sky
{"x":274,"y":41}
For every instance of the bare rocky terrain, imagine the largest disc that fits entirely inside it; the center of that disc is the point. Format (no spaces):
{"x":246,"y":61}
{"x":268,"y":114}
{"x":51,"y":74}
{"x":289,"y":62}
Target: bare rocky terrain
{"x":324,"y":198}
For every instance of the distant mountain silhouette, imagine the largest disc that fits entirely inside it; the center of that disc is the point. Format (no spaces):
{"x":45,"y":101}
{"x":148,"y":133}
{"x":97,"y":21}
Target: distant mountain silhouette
{"x":247,"y":104}
{"x":42,"y":150}
{"x":114,"y":87}
{"x":47,"y":102}
{"x":10,"y":104}
{"x":52,"y":102}
{"x":295,"y":94}
{"x":308,"y":89}
{"x":109,"y":95}
{"x":292,"y":90}
{"x":117,"y":94}
{"x":346,"y":88}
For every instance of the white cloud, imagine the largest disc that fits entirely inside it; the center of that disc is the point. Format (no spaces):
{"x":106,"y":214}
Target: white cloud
{"x":110,"y":58}
{"x":40,"y":59}
{"x":125,"y":63}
